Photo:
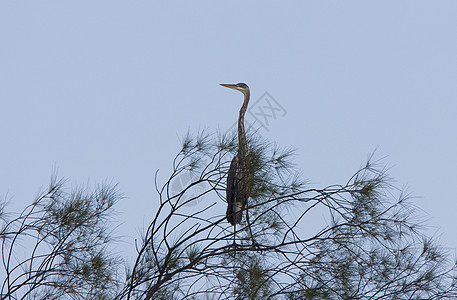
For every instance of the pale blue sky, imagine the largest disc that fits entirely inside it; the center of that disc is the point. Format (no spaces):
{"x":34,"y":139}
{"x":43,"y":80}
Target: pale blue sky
{"x":105,"y":89}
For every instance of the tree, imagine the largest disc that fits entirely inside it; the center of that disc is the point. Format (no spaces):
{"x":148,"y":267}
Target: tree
{"x":57,"y":246}
{"x":371,"y":245}
{"x":371,"y":248}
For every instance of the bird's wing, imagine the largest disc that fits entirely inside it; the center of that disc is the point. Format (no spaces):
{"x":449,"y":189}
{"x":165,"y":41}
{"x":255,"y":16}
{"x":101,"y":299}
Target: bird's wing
{"x":232,"y":181}
{"x":231,"y":190}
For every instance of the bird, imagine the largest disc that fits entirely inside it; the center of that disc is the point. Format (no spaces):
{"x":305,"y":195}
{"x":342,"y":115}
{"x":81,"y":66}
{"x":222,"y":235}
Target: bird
{"x":240,"y":175}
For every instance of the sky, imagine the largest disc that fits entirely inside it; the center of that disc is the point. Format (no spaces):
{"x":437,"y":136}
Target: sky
{"x":105,"y":90}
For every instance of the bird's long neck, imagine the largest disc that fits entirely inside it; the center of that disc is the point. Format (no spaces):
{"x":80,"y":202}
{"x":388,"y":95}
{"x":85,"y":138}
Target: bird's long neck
{"x":242,"y":143}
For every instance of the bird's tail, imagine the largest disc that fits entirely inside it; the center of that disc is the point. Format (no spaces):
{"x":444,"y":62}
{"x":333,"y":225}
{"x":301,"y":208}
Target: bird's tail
{"x":237,"y":212}
{"x":234,"y":213}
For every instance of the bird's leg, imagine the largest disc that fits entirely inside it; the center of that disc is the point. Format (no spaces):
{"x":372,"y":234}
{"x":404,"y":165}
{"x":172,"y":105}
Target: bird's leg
{"x":234,"y":239}
{"x":234,"y":234}
{"x":254,"y":243}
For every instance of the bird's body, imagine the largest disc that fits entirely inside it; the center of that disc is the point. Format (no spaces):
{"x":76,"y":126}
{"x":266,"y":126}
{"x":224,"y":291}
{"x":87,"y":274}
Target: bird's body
{"x":240,"y":176}
{"x":234,"y":205}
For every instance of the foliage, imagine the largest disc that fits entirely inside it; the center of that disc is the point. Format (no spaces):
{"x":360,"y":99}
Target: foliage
{"x":57,"y":246}
{"x":369,"y":245}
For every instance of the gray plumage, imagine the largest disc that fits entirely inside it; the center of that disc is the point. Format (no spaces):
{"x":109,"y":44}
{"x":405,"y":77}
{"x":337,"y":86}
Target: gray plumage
{"x":240,"y":176}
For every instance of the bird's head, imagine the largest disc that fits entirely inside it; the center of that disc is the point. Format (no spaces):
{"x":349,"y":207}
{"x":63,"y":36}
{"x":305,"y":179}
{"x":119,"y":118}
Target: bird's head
{"x":242,"y":87}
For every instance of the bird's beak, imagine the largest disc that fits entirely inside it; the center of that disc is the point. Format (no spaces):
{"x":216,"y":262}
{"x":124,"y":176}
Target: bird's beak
{"x":230,"y":86}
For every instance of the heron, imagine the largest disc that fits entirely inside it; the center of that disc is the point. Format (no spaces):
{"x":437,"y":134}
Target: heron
{"x":240,"y":175}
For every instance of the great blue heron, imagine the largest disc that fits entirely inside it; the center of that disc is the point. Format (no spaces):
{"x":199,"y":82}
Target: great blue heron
{"x":240,"y":176}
